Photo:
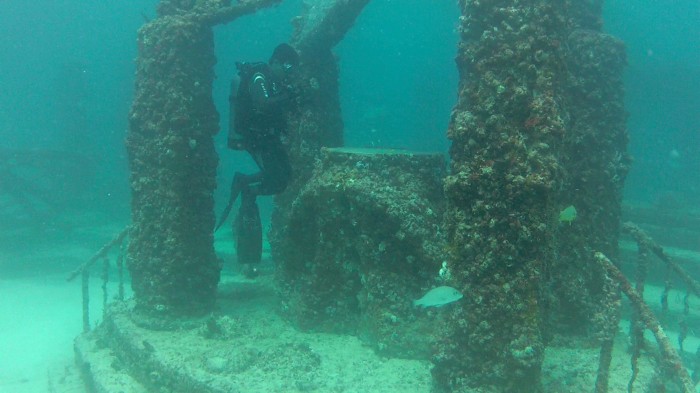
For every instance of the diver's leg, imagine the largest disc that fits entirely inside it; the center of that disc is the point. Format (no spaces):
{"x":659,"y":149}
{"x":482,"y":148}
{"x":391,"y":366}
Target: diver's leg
{"x":248,"y":234}
{"x":277,"y":170}
{"x":272,"y":179}
{"x":239,"y":183}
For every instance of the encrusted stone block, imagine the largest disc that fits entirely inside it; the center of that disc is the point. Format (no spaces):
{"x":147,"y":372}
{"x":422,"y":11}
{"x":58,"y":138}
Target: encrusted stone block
{"x":364,"y":240}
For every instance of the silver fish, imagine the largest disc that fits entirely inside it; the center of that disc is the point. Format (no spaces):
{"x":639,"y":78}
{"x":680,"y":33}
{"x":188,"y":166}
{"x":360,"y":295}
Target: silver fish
{"x":438,"y":297}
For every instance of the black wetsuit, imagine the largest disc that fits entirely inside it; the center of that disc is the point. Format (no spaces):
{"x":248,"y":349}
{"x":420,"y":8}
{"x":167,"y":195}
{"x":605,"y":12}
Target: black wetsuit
{"x":259,"y":107}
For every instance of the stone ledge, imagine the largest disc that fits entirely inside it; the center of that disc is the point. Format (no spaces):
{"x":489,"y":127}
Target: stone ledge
{"x":244,"y":347}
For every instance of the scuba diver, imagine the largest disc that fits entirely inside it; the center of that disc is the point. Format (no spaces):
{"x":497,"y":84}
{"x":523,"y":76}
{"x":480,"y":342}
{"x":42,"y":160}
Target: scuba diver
{"x":259,"y":102}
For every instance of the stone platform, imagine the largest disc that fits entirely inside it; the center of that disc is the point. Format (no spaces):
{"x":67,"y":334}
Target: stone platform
{"x":244,"y":347}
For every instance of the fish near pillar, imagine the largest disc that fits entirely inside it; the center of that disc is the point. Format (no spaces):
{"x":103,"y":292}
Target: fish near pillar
{"x":596,"y":160}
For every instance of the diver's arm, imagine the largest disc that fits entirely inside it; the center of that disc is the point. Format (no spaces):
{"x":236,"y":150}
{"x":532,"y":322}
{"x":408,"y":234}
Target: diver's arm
{"x":262,"y":95}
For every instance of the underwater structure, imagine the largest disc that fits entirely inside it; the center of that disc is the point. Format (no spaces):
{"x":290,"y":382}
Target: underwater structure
{"x":367,"y":240}
{"x":170,"y":140}
{"x":317,"y":120}
{"x":335,"y":267}
{"x":594,"y":155}
{"x":172,"y":157}
{"x":517,"y":232}
{"x":539,"y":83}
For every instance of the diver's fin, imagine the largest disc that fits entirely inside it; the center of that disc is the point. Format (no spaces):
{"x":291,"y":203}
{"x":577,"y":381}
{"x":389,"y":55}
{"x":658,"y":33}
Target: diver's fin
{"x":235,"y":190}
{"x":249,"y":233}
{"x":224,"y":215}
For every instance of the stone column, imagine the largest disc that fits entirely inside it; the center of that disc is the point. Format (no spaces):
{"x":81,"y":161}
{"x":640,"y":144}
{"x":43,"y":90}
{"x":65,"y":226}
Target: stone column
{"x":596,"y":161}
{"x":172,"y":159}
{"x":506,"y":130}
{"x":539,"y":126}
{"x":173,"y":168}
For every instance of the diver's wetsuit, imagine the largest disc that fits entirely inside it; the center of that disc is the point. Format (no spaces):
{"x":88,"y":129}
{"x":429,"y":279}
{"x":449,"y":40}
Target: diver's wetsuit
{"x":258,"y":118}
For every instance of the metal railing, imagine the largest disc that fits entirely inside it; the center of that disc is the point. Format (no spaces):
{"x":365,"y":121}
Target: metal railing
{"x":84,"y":271}
{"x":669,"y":361}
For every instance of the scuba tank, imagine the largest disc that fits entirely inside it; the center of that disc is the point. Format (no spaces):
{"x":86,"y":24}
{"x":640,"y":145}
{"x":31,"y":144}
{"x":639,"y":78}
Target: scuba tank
{"x":235,"y":140}
{"x":240,"y":107}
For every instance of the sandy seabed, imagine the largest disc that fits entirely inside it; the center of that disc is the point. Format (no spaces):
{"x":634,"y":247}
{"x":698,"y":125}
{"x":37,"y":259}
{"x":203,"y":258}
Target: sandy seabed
{"x":40,"y":316}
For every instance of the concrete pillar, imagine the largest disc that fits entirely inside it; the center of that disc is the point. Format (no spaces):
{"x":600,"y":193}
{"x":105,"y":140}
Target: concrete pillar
{"x":539,"y":126}
{"x":506,"y":130}
{"x":172,"y":158}
{"x":173,"y":167}
{"x":595,"y":156}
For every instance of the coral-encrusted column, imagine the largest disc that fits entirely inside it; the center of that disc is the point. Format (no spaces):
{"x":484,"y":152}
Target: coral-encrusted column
{"x":171,"y":155}
{"x":173,"y":168}
{"x":506,"y":131}
{"x":596,"y":161}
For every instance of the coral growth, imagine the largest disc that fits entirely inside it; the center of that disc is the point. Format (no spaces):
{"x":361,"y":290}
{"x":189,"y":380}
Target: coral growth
{"x":364,"y":240}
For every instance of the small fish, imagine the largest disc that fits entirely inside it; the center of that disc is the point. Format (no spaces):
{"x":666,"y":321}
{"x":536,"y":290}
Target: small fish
{"x":438,"y":297}
{"x":568,"y":214}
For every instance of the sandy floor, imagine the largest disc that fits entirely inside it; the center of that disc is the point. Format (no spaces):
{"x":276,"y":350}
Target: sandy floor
{"x":39,"y":318}
{"x":40,"y":314}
